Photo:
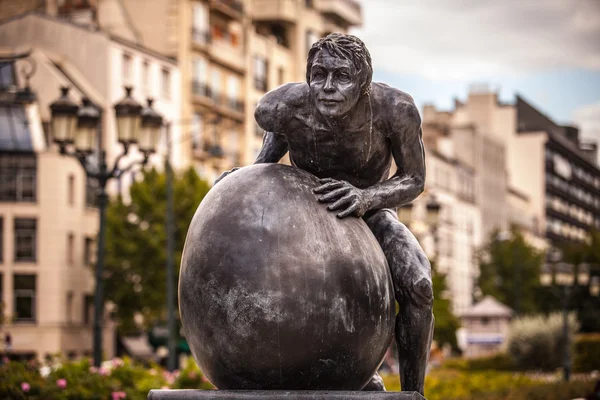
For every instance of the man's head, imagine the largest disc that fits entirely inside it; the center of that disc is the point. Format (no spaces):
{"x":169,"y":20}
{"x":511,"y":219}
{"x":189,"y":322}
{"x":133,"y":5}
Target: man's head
{"x":338,"y":72}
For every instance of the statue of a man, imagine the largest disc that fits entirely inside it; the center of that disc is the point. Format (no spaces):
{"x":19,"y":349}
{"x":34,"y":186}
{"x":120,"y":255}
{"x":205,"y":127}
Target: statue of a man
{"x":345,"y":129}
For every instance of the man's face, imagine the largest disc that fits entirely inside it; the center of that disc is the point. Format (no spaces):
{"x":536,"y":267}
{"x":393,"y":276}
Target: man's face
{"x":334,"y":84}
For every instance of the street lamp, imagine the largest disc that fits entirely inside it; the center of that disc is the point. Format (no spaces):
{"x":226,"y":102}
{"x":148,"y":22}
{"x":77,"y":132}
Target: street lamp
{"x":77,"y":126}
{"x":562,"y":274}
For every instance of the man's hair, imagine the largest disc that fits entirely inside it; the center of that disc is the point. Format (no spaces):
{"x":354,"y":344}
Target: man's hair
{"x":347,"y":47}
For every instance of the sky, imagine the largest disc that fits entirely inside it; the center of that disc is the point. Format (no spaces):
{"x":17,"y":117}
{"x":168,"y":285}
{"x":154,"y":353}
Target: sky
{"x":547,"y":51}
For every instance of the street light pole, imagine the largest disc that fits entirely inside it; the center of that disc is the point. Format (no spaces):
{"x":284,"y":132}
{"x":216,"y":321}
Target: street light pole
{"x":567,"y":348}
{"x":171,"y":362}
{"x":77,"y":126}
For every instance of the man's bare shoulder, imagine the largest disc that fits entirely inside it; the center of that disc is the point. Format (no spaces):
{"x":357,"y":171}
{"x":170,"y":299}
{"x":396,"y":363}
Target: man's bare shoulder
{"x":388,"y":97}
{"x":277,"y":108}
{"x":290,"y":94}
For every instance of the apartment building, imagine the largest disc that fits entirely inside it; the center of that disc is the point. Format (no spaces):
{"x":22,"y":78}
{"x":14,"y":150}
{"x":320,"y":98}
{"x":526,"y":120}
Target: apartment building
{"x":451,"y":241}
{"x":49,"y":237}
{"x":230,"y":53}
{"x":48,"y":225}
{"x":560,"y":172}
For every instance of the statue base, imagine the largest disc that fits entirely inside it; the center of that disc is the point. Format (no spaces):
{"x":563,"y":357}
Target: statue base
{"x":192,"y":394}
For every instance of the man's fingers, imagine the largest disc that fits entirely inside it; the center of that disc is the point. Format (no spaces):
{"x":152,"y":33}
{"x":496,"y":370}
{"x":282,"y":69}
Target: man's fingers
{"x":328,"y":186}
{"x":325,"y":180}
{"x":334,"y":195}
{"x":348,"y":211}
{"x":338,"y":204}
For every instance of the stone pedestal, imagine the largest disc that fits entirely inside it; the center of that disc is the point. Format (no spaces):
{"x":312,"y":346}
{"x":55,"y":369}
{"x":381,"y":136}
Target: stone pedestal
{"x":190,"y":394}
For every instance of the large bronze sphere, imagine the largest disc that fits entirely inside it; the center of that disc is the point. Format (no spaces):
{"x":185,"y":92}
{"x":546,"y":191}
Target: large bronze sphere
{"x":276,"y":292}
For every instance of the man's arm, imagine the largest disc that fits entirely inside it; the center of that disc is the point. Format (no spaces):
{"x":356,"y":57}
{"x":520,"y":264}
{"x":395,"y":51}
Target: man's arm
{"x":404,"y":133}
{"x":273,"y":149}
{"x":407,"y":148}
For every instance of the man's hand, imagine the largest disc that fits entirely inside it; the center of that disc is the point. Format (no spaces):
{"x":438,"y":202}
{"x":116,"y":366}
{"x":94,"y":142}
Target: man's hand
{"x":224,"y":174}
{"x":343,"y":196}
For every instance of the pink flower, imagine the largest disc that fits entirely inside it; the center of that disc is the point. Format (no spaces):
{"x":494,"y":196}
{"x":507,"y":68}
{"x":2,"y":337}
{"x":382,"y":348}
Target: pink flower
{"x":117,"y":362}
{"x":192,"y":374}
{"x":93,"y":370}
{"x":164,"y":388}
{"x":61,"y":383}
{"x":25,"y":387}
{"x":118,"y":395}
{"x":103,"y":371}
{"x":203,"y":379}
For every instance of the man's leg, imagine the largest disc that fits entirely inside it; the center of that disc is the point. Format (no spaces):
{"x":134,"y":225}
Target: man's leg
{"x":411,"y":275}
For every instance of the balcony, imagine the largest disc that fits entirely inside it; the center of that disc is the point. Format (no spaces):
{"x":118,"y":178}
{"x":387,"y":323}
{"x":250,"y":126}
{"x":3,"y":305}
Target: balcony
{"x":201,"y":89}
{"x":346,"y":12}
{"x":200,"y":37}
{"x":233,"y":9}
{"x":275,"y":11}
{"x":226,"y":49}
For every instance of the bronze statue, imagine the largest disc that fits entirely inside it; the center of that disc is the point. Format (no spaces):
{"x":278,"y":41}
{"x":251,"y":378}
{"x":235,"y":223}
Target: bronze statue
{"x":345,"y":129}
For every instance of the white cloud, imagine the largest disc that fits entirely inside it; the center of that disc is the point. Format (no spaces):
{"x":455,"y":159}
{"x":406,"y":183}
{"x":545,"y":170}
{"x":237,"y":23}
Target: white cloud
{"x":477,"y":39}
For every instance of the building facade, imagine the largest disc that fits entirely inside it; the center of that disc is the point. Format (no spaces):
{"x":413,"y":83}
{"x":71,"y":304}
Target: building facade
{"x":48,"y":226}
{"x":230,"y":53}
{"x":567,"y":178}
{"x":60,"y":220}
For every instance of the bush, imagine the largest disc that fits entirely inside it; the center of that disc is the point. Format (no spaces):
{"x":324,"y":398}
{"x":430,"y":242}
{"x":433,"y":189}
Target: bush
{"x":586,"y":356}
{"x":537,"y":342}
{"x":116,"y":379}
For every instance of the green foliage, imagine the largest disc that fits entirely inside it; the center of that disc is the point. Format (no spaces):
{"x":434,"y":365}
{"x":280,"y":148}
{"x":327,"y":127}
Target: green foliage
{"x":452,"y":384}
{"x":587,"y":306}
{"x":446,"y":323}
{"x":586,"y":356}
{"x":537,"y":342}
{"x":498,"y":362}
{"x":135,"y":274}
{"x":116,"y":379}
{"x":510,"y":271}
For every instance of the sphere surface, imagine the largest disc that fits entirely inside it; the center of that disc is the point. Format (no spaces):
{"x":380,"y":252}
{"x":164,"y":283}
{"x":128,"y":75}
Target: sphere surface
{"x":276,"y":292}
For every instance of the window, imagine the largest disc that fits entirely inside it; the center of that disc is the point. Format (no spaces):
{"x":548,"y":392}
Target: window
{"x":69,"y":307}
{"x":309,"y":3}
{"x":281,"y":75}
{"x":89,"y":251}
{"x":1,"y":242}
{"x":200,"y":24}
{"x":88,"y":308}
{"x":197,"y":131}
{"x":71,"y":190}
{"x":233,"y":86}
{"x":216,"y":85}
{"x":70,"y":249}
{"x":91,"y":192}
{"x":24,"y":300}
{"x":7,"y":75}
{"x":146,"y":77}
{"x":25,"y":239}
{"x":311,"y":38}
{"x":260,"y":73}
{"x":18,"y":173}
{"x":166,"y":83}
{"x":126,"y":66}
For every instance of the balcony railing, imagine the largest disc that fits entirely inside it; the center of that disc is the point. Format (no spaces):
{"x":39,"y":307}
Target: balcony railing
{"x":260,"y":83}
{"x":200,"y":36}
{"x":235,"y":104}
{"x":201,"y":89}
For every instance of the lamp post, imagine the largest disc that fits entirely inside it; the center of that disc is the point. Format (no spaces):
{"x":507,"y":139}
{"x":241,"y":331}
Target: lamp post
{"x":75,"y":131}
{"x":558,"y":273}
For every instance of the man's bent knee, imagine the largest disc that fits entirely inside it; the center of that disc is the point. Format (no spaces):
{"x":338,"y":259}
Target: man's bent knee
{"x":422,"y":293}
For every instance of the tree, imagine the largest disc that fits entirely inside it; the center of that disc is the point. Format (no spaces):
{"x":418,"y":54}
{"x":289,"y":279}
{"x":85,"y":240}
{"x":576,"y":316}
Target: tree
{"x":510,"y":271}
{"x":135,"y":271}
{"x":586,"y":305}
{"x":446,"y":323}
